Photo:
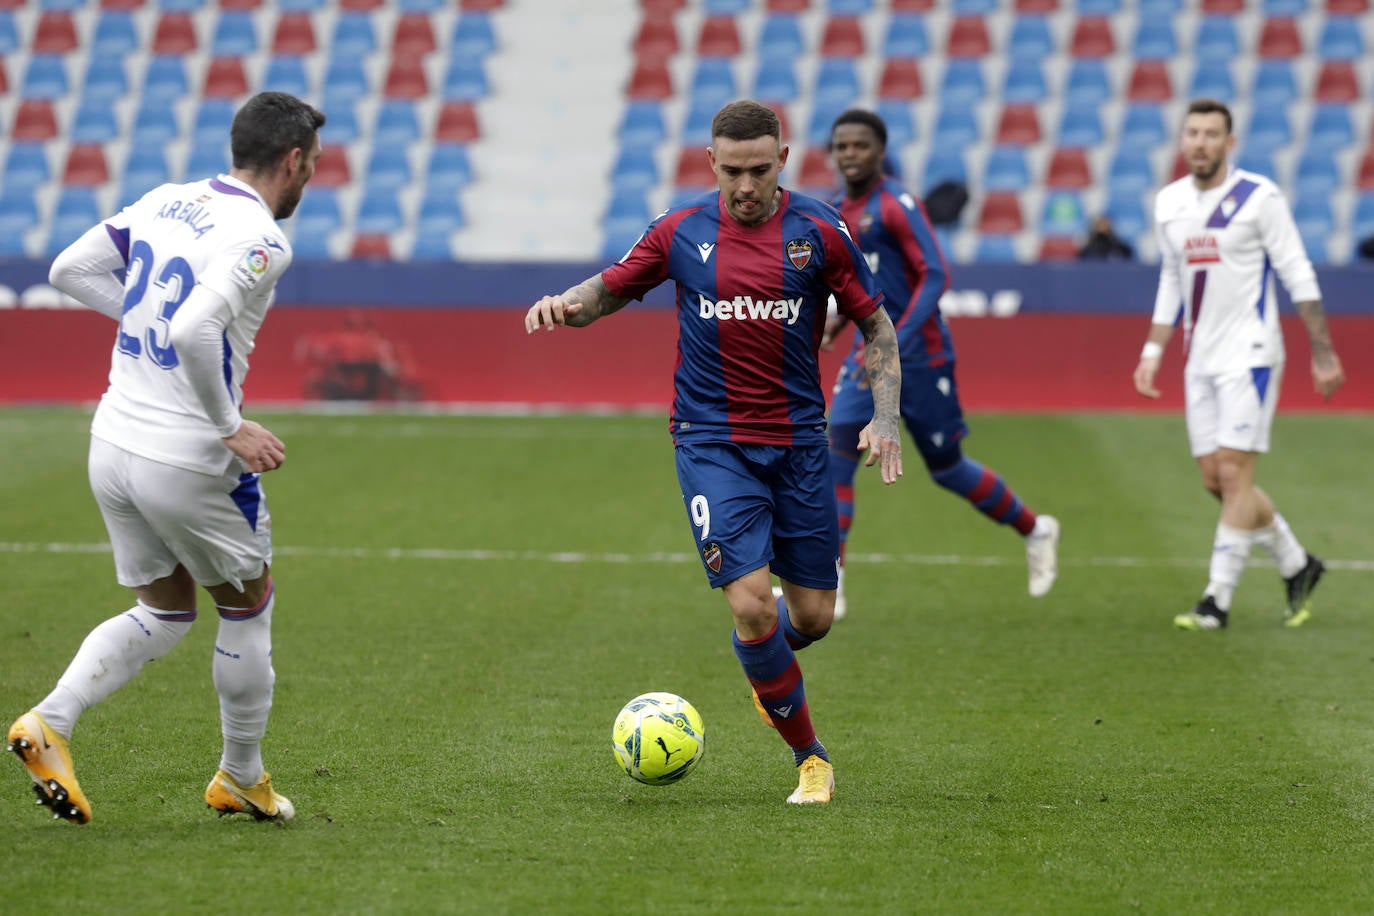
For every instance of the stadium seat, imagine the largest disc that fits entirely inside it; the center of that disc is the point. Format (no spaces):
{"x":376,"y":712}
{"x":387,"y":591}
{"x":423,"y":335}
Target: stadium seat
{"x":817,"y":177}
{"x":1222,"y":7}
{"x":319,"y":212}
{"x":1279,"y":38}
{"x":397,"y":123}
{"x":465,"y":79}
{"x":1019,"y":125}
{"x":449,"y":167}
{"x":45,"y":78}
{"x":837,"y":80}
{"x":388,"y":167}
{"x":1068,"y":168}
{"x":1340,"y":39}
{"x":996,"y":248}
{"x":719,"y":37}
{"x":635,"y":168}
{"x":155,"y":123}
{"x":18,"y":214}
{"x":26,"y":165}
{"x":1331,"y":128}
{"x":414,"y":36}
{"x":379,"y":212}
{"x":1080,"y":125}
{"x":1154,"y":40}
{"x":716,"y":7}
{"x":842,"y":37}
{"x":106,"y":80}
{"x":77,"y":210}
{"x":165,"y":78}
{"x":693,"y":171}
{"x":34,"y":120}
{"x":417,"y":6}
{"x":353,"y":35}
{"x":54,"y":34}
{"x":1000,"y":213}
{"x":1259,"y":161}
{"x":441,"y":212}
{"x":1036,"y":7}
{"x":900,"y":79}
{"x":346,"y":77}
{"x":406,"y":79}
{"x":209,"y":156}
{"x":1142,"y":125}
{"x":657,"y":37}
{"x":1150,"y":82}
{"x":962,"y":82}
{"x":1317,"y":174}
{"x":1347,"y":7}
{"x":332,"y":169}
{"x":901,"y":126}
{"x":1006,"y":169}
{"x":696,"y":125}
{"x":943,"y":165}
{"x":9,"y":35}
{"x":780,"y":36}
{"x":94,"y":122}
{"x":849,"y":7}
{"x":713,"y":81}
{"x":1058,"y":248}
{"x":1130,"y":171}
{"x":642,"y":124}
{"x":956,"y":126}
{"x":1024,"y":82}
{"x":1062,"y":214}
{"x":1284,"y":7}
{"x":1274,"y":83}
{"x":1126,"y":210}
{"x":1092,"y":37}
{"x":175,"y":34}
{"x":1364,"y":174}
{"x":1030,"y":39}
{"x":1268,"y":128}
{"x":1337,"y":81}
{"x":906,"y":37}
{"x":1087,"y":81}
{"x":342,"y":124}
{"x":473,"y":35}
{"x":776,"y":80}
{"x":973,"y":7}
{"x":1216,"y":39}
{"x":1150,"y":9}
{"x":144,"y":169}
{"x":1313,"y":215}
{"x":968,"y":37}
{"x":1362,"y":220}
{"x":457,"y":123}
{"x":371,"y":246}
{"x":294,"y":34}
{"x":235,"y":35}
{"x":1212,"y":80}
{"x":822,"y":117}
{"x":225,"y":78}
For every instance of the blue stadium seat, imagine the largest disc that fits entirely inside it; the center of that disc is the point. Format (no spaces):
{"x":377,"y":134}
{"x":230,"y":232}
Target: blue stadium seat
{"x":1317,"y":174}
{"x":849,"y":7}
{"x":1154,"y":39}
{"x":635,"y":168}
{"x":26,"y":165}
{"x":155,"y":122}
{"x":473,"y":36}
{"x":943,"y":165}
{"x":449,"y":167}
{"x":235,"y":34}
{"x":421,"y":6}
{"x":776,"y":80}
{"x":1284,"y":8}
{"x":962,"y":82}
{"x":995,"y":249}
{"x":1274,"y":83}
{"x":346,"y":77}
{"x":1257,"y":160}
{"x":901,"y":126}
{"x":114,"y":34}
{"x":1030,"y":39}
{"x":1006,"y":169}
{"x":1130,"y":171}
{"x":1097,"y":7}
{"x":906,"y":36}
{"x":837,"y":80}
{"x":1331,"y":128}
{"x":209,"y":157}
{"x":713,"y":81}
{"x":9,"y":35}
{"x":1062,"y":214}
{"x":309,"y":246}
{"x":466,"y":80}
{"x":18,"y":213}
{"x":696,"y":124}
{"x":1216,"y":39}
{"x":1313,"y":215}
{"x":1362,"y":220}
{"x":388,"y":167}
{"x":397,"y":123}
{"x":1024,"y":81}
{"x":1318,"y":251}
{"x":45,"y":78}
{"x":378,"y":213}
{"x":955,"y":126}
{"x":105,"y":79}
{"x":432,"y":246}
{"x":300,"y":6}
{"x":1340,"y":39}
{"x":1088,"y":81}
{"x":1080,"y":125}
{"x":441,"y":212}
{"x":973,"y":7}
{"x":181,"y":6}
{"x":353,"y":34}
{"x":628,"y":204}
{"x":1159,"y":8}
{"x":1212,"y":79}
{"x":341,"y":120}
{"x":94,"y":122}
{"x":717,"y":7}
{"x":145,"y":169}
{"x":77,"y":210}
{"x":165,"y":79}
{"x":1127,"y":213}
{"x":319,"y":213}
{"x":1143,"y":126}
{"x":822,"y":119}
{"x":642,"y":124}
{"x":213,"y":118}
{"x":1268,"y":128}
{"x":781,"y":36}
{"x":286,"y":73}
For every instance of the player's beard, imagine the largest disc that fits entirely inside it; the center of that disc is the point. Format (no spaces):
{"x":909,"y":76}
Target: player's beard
{"x":288,"y":203}
{"x":1208,"y":170}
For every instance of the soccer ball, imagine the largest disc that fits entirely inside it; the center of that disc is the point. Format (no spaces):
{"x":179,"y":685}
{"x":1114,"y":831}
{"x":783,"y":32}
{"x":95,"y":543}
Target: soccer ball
{"x":658,"y":738}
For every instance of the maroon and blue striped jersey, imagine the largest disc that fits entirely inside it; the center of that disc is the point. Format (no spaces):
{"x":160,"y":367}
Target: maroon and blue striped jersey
{"x":891,"y":228}
{"x":751,"y":305}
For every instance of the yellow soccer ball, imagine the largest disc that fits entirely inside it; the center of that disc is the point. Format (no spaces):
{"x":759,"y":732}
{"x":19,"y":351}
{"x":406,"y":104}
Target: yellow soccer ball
{"x":658,"y":738}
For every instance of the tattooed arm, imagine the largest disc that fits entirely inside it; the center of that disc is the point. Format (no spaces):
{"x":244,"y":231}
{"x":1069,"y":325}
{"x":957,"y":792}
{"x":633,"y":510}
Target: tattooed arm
{"x":1327,"y":373}
{"x":883,"y":434}
{"x":575,"y":308}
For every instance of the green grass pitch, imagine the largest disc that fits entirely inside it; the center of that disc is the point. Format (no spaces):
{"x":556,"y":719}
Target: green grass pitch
{"x":465,"y":602}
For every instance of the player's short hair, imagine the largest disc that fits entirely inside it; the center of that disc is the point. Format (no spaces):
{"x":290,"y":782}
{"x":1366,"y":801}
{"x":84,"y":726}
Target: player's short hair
{"x":865,"y":119}
{"x":270,"y":125}
{"x":1210,"y":106}
{"x":746,"y":120}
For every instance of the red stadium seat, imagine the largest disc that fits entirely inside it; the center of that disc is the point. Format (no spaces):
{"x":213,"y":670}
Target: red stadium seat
{"x":1058,"y":248}
{"x":414,"y":36}
{"x":968,"y":37}
{"x":332,"y":170}
{"x":175,"y":34}
{"x":657,"y":37}
{"x":294,"y":34}
{"x":473,"y":6}
{"x":1180,"y":167}
{"x":1018,"y":126}
{"x":693,"y":171}
{"x":1092,"y":37}
{"x":912,"y":6}
{"x":457,"y":123}
{"x":788,"y":6}
{"x":843,"y":37}
{"x":375,"y":247}
{"x":86,"y":165}
{"x":4,"y":80}
{"x":1279,"y":38}
{"x":650,"y":79}
{"x":1036,"y":7}
{"x":1000,"y":213}
{"x":816,"y":171}
{"x":360,"y":6}
{"x":34,"y":120}
{"x":225,"y":78}
{"x":1364,"y":177}
{"x":1222,"y":7}
{"x":1347,"y":7}
{"x":405,"y":79}
{"x":239,"y":4}
{"x":1150,"y":82}
{"x":105,"y":4}
{"x":719,"y":37}
{"x":55,"y":34}
{"x":662,"y":6}
{"x":1069,"y":168}
{"x":900,"y":79}
{"x":1337,"y":82}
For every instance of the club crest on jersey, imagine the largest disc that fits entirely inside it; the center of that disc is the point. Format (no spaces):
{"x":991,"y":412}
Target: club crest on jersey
{"x":712,"y":556}
{"x":799,"y":253}
{"x":866,"y":222}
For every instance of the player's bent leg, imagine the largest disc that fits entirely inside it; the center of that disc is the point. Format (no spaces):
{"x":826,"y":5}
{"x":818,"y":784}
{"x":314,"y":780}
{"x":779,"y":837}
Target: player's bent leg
{"x":45,"y":755}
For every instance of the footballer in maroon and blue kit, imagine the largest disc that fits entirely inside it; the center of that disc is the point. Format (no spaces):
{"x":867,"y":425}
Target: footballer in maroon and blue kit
{"x":891,"y":228}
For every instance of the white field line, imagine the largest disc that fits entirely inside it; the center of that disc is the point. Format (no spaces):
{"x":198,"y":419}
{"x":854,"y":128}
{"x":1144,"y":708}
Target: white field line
{"x":570,"y":556}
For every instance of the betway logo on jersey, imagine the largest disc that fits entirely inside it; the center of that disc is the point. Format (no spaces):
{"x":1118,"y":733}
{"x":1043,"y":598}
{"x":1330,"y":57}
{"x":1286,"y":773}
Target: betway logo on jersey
{"x":744,"y":307}
{"x":1202,"y":249}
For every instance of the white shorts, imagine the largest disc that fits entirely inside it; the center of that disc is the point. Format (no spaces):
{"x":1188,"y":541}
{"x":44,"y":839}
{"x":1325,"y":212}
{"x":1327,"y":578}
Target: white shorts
{"x":159,"y":515}
{"x":1232,"y":410}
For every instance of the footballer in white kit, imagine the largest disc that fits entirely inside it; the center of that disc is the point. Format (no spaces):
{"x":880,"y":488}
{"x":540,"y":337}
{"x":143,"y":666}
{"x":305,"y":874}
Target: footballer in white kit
{"x":1225,"y":235}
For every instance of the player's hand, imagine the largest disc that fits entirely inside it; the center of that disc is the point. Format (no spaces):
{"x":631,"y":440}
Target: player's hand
{"x":257,"y":448}
{"x":1145,"y":376}
{"x":885,"y":451}
{"x":550,"y":312}
{"x":834,"y":324}
{"x":1327,"y":373}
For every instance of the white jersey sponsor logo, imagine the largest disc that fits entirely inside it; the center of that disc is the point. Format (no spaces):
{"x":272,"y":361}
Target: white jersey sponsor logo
{"x":742,"y":308}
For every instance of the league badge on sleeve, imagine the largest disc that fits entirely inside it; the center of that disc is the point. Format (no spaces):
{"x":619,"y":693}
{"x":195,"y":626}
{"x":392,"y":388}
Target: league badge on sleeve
{"x":254,"y":264}
{"x":799,"y":253}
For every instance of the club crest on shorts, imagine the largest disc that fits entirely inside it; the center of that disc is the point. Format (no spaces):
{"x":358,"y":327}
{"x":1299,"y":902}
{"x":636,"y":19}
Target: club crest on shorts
{"x":799,"y":253}
{"x":711,"y":553}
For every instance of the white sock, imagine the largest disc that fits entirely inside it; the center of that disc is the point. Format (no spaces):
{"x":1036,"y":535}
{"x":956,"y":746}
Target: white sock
{"x":1230,"y":550}
{"x":110,"y":656}
{"x":244,"y":677}
{"x":1282,"y":546}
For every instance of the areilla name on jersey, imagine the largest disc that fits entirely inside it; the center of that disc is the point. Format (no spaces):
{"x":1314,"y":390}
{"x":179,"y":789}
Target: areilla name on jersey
{"x":751,"y":306}
{"x":218,"y":233}
{"x":895,"y":236}
{"x":1220,"y":250}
